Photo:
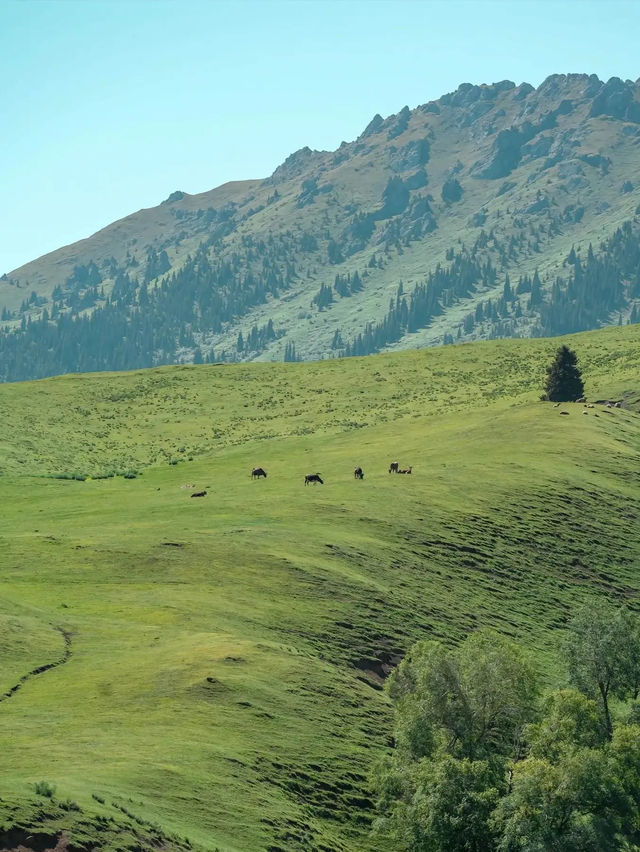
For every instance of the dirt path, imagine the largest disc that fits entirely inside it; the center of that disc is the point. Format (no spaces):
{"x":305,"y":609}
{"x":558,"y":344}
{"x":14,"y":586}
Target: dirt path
{"x":41,"y":669}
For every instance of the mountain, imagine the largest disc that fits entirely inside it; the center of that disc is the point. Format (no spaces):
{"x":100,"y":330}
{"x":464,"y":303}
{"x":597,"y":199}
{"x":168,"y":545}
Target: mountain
{"x":205,"y":674}
{"x":495,"y":211}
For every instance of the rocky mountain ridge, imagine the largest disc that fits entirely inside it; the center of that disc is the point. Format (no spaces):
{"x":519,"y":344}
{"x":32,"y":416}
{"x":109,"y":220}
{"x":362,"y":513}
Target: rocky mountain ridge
{"x":467,"y":217}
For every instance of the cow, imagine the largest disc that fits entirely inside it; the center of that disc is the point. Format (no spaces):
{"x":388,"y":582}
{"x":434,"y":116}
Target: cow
{"x":257,"y":472}
{"x":199,"y":494}
{"x":313,"y":477}
{"x":406,"y":470}
{"x":358,"y":473}
{"x":393,"y":467}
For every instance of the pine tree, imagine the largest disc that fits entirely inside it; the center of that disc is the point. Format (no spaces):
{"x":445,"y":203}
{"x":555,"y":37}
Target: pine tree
{"x":564,"y":380}
{"x":536,"y":291}
{"x":290,"y":353}
{"x":334,"y":253}
{"x":337,"y":342}
{"x":451,"y":191}
{"x":507,"y":292}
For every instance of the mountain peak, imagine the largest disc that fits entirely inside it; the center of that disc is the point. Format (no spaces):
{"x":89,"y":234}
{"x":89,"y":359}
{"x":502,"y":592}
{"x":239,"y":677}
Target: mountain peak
{"x":296,"y":164}
{"x":404,"y":237}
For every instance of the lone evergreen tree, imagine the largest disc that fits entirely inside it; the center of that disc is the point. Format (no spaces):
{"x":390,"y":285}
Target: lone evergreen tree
{"x":564,"y":380}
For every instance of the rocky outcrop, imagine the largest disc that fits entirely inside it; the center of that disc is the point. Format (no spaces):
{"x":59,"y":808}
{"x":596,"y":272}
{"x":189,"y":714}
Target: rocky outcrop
{"x":467,"y":94}
{"x":374,"y":126}
{"x":617,"y":100}
{"x":503,"y":158}
{"x":296,"y":164}
{"x":411,"y":156}
{"x":398,"y":123}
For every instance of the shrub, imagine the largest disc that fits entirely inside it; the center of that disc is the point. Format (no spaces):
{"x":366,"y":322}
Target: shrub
{"x":79,"y":477}
{"x":44,"y":788}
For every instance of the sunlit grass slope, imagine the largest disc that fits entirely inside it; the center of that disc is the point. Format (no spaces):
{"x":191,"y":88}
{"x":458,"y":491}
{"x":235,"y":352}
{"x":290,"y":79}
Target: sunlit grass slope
{"x":95,"y":424}
{"x":222,"y":678}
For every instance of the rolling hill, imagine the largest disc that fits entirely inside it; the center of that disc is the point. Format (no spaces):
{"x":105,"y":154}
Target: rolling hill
{"x":206,"y":674}
{"x":495,"y":211}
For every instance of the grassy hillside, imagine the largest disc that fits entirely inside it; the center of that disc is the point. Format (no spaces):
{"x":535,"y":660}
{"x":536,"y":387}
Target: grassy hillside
{"x":222,"y":678}
{"x":505,"y":174}
{"x":99,"y":424}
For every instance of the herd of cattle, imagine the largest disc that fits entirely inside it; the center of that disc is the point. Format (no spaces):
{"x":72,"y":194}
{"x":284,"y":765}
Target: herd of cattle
{"x":310,"y":478}
{"x":394,"y":467}
{"x":314,"y":478}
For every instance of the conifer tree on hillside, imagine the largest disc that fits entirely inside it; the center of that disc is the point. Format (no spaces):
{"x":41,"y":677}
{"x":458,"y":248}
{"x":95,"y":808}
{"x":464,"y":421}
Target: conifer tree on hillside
{"x":290,"y":353}
{"x":564,"y":380}
{"x":451,"y":191}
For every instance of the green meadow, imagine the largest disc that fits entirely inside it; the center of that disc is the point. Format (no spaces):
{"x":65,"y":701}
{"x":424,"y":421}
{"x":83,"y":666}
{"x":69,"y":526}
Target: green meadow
{"x":221,"y":688}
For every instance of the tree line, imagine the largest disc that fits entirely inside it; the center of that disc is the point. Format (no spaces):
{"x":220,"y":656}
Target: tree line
{"x":595,"y":290}
{"x":156,"y":315}
{"x":142,"y":324}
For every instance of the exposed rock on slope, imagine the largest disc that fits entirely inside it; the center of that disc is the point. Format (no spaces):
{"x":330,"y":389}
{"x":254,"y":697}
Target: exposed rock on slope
{"x":446,"y":200}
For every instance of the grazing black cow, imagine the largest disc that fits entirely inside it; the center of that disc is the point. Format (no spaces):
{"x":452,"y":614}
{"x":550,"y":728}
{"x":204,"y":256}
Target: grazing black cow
{"x":358,"y":474}
{"x":257,"y":472}
{"x":199,"y":494}
{"x":393,"y":467}
{"x":313,"y":477}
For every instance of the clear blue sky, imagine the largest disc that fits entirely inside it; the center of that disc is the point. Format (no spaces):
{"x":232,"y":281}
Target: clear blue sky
{"x":107,"y":107}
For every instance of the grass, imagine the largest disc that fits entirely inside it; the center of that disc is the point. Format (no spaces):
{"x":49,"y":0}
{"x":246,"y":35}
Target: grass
{"x":109,"y":424}
{"x":223,"y":682}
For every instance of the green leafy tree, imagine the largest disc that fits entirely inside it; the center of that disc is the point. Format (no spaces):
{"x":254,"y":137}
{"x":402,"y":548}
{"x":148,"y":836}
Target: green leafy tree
{"x":442,"y":805}
{"x":479,"y":765}
{"x":603,"y":656}
{"x":564,"y":380}
{"x":477,"y":698}
{"x":569,"y":720}
{"x":459,"y":716}
{"x":575,"y":791}
{"x":573,"y":805}
{"x":625,"y":751}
